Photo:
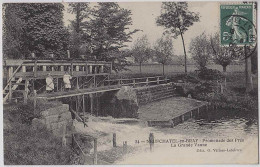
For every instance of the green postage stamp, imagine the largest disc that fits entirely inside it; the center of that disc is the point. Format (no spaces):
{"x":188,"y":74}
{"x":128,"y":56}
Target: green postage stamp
{"x":237,"y":24}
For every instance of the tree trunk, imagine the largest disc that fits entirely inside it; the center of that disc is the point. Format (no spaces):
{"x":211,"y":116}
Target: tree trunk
{"x":224,"y":68}
{"x":185,"y":56}
{"x":140,"y":67}
{"x":248,"y":76}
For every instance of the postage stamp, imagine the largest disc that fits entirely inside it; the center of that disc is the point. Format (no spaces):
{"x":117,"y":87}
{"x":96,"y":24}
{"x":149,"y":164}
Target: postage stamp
{"x":237,"y":25}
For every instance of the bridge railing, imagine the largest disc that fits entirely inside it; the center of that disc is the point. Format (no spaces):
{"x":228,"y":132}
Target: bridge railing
{"x":41,"y":68}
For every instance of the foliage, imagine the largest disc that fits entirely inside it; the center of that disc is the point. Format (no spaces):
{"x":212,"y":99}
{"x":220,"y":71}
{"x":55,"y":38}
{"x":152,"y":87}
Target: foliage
{"x":210,"y":74}
{"x":200,"y":50}
{"x":163,"y":49}
{"x":108,"y":28}
{"x":141,"y":50}
{"x":12,"y":31}
{"x":221,"y":55}
{"x":25,"y":112}
{"x":78,"y":37}
{"x":176,"y":18}
{"x":81,"y":10}
{"x":118,"y":59}
{"x":41,"y":32}
{"x":33,"y":147}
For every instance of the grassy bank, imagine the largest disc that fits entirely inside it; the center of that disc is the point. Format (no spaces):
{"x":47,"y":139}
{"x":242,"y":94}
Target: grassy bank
{"x":27,"y":145}
{"x":234,"y":96}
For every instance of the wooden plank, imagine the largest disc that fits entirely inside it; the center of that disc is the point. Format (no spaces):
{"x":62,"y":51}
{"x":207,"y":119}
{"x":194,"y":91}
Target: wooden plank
{"x":57,"y":95}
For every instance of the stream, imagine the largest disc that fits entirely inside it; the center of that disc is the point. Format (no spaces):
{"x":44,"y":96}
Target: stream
{"x":218,"y":137}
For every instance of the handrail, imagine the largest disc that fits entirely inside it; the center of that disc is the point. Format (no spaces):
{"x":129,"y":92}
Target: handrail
{"x":74,"y":112}
{"x":9,"y":80}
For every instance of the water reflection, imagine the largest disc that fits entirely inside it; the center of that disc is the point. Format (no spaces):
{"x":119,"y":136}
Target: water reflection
{"x":216,"y":123}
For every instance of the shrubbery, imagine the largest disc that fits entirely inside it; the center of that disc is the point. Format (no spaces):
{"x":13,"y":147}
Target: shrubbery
{"x":210,"y":74}
{"x":27,"y":145}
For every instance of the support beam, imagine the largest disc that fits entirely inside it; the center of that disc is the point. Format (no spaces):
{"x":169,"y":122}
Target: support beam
{"x":83,"y":107}
{"x":91,"y":103}
{"x":26,"y":90}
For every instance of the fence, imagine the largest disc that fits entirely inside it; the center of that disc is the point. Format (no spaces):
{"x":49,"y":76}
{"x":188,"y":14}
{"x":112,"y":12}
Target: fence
{"x":174,"y":68}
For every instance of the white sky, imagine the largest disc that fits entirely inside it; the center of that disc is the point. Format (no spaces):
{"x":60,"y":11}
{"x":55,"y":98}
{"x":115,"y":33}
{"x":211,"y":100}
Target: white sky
{"x":144,"y":16}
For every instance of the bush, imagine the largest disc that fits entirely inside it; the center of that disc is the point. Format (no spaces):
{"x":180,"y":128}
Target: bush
{"x":186,"y":78}
{"x":25,"y":145}
{"x":210,"y":74}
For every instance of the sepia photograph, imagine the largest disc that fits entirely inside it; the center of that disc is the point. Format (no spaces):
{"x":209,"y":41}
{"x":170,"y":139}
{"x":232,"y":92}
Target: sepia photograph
{"x":130,"y":83}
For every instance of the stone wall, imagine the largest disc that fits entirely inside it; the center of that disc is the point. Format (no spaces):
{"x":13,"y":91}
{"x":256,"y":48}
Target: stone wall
{"x":153,"y":93}
{"x":57,"y":119}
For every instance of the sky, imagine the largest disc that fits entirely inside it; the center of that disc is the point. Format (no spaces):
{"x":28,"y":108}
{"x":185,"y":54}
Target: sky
{"x":144,"y":16}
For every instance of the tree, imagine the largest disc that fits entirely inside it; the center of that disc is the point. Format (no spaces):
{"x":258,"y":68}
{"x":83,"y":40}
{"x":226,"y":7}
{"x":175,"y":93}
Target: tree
{"x":163,"y":50}
{"x":176,"y":18}
{"x":221,"y":55}
{"x":108,"y":27}
{"x":200,"y":50}
{"x":79,"y":37}
{"x":141,"y":50}
{"x":42,"y":31}
{"x":81,"y":11}
{"x":12,"y":31}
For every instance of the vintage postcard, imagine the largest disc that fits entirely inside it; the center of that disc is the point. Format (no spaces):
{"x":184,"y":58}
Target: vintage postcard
{"x":128,"y":83}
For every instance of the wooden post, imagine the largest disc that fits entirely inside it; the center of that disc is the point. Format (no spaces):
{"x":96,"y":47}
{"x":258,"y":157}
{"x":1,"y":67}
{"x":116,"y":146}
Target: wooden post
{"x":221,"y":88}
{"x":83,"y":108}
{"x":61,"y":68}
{"x":23,"y":68}
{"x":151,"y":142}
{"x":182,"y":118}
{"x":124,"y":147}
{"x":77,"y":80}
{"x":11,"y":70}
{"x":95,"y":151}
{"x":64,"y":141}
{"x":26,"y":91}
{"x":91,"y":103}
{"x":35,"y":68}
{"x":86,"y":67}
{"x":10,"y":91}
{"x":57,"y":88}
{"x":71,"y":68}
{"x":134,"y":83}
{"x":34,"y":101}
{"x":44,"y":68}
{"x":90,"y":69}
{"x":68,"y":52}
{"x":114,"y":139}
{"x":147,"y":80}
{"x":102,"y":69}
{"x":94,"y":80}
{"x":77,"y":68}
{"x":158,"y":80}
{"x":97,"y":104}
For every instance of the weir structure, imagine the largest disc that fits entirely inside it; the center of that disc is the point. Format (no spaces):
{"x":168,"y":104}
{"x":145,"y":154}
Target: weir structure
{"x":27,"y":78}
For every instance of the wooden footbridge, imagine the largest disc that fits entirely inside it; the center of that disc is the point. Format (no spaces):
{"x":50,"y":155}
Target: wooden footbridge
{"x":27,"y":78}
